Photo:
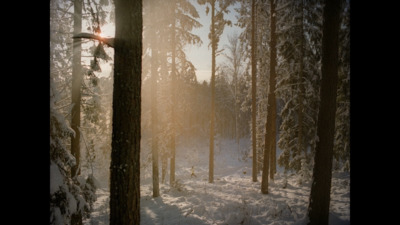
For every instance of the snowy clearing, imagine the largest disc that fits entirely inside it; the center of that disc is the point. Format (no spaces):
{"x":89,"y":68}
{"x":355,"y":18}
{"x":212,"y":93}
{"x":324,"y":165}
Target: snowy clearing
{"x":232,"y":199}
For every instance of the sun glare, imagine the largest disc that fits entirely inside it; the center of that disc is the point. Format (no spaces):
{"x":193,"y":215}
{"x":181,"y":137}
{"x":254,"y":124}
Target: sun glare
{"x":101,"y":35}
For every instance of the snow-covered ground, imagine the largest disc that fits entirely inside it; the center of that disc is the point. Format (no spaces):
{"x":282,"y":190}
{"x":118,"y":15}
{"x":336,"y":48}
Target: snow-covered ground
{"x":232,"y":199}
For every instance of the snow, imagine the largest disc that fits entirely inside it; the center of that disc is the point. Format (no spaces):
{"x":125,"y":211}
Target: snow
{"x":56,"y":178}
{"x":233,"y":198}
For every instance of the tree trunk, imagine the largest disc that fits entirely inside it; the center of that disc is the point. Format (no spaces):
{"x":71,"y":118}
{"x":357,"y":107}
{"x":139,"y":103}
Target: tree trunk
{"x":213,"y":50}
{"x":154,"y":122}
{"x":164,"y":155}
{"x":236,"y":108}
{"x":76,"y":88}
{"x":270,"y":125}
{"x":76,"y":219}
{"x":253,"y":90}
{"x":318,"y":209}
{"x":272,"y":170}
{"x":125,"y":155}
{"x":173,"y":93}
{"x":272,"y":85}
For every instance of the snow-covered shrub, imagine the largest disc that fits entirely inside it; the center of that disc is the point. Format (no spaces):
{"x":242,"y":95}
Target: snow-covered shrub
{"x":305,"y":173}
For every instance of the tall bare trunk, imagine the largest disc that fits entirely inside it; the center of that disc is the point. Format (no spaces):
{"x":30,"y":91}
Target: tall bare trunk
{"x":270,"y":131}
{"x":272,"y":169}
{"x":236,"y":110}
{"x":213,"y":50}
{"x":125,"y":145}
{"x":253,"y":89}
{"x":154,"y":120}
{"x":76,"y":219}
{"x":318,"y":209}
{"x":164,"y":158}
{"x":173,"y":93}
{"x":76,"y":87}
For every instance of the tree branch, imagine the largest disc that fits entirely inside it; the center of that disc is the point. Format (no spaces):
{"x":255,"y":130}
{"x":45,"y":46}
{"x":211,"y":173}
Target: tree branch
{"x":107,"y":41}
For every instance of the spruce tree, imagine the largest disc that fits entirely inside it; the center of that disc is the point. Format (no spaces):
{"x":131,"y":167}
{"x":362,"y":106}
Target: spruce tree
{"x":341,"y":151}
{"x":216,"y":28}
{"x":318,"y":209}
{"x":270,"y":132}
{"x":126,"y":131}
{"x":253,"y":88}
{"x":298,"y":82}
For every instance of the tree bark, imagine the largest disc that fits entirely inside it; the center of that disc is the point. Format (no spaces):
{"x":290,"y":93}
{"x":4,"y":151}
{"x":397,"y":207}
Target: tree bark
{"x":125,"y":155}
{"x":212,"y":119}
{"x":272,"y":105}
{"x":318,"y":209}
{"x":154,"y":120}
{"x":76,"y":88}
{"x":272,"y":169}
{"x":253,"y":90}
{"x":76,"y":219}
{"x":173,"y":95}
{"x":270,"y":125}
{"x":164,"y":155}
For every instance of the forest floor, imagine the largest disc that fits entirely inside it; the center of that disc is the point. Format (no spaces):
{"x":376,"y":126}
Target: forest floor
{"x":232,"y":199}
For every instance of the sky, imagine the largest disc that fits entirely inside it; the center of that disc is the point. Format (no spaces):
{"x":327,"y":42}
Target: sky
{"x":200,"y":56}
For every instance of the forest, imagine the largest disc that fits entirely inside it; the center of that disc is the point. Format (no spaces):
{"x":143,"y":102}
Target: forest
{"x":145,"y":129}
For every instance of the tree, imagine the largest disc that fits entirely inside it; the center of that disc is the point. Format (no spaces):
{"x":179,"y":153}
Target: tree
{"x":318,"y":209}
{"x":253,"y":88}
{"x":183,"y":20}
{"x":341,"y":151}
{"x":125,"y":155}
{"x":76,"y":87}
{"x":235,"y":56}
{"x":173,"y":98}
{"x":298,"y":83}
{"x":154,"y":119}
{"x":76,"y":98}
{"x":224,"y":99}
{"x":270,"y":125}
{"x":71,"y":199}
{"x":66,"y":196}
{"x":216,"y":28}
{"x":164,"y":38}
{"x":64,"y":191}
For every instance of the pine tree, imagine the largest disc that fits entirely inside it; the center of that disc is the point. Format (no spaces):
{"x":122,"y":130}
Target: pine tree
{"x":261,"y":64}
{"x":173,"y":98}
{"x":235,"y":57}
{"x":318,"y":209}
{"x":270,"y":132}
{"x":126,"y":132}
{"x":216,"y":28}
{"x":183,"y":20}
{"x":64,"y":190}
{"x":76,"y":87}
{"x":224,"y":99}
{"x":72,"y":195}
{"x":76,"y":99}
{"x":154,"y":119}
{"x":253,"y":88}
{"x":298,"y":82}
{"x":341,"y":151}
{"x":171,"y":30}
